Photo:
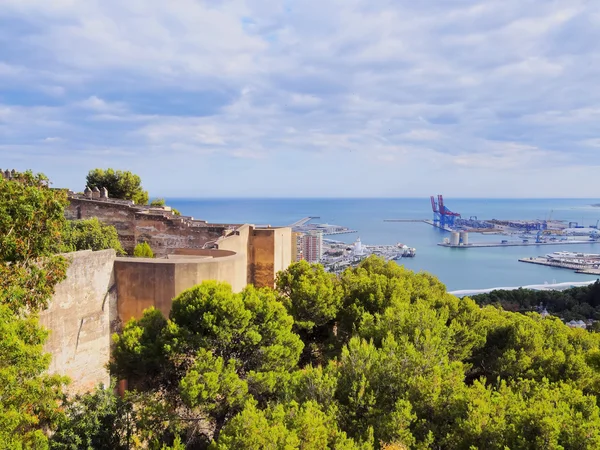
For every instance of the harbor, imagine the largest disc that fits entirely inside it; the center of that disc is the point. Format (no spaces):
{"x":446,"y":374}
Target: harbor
{"x":304,"y":226}
{"x":338,"y":256}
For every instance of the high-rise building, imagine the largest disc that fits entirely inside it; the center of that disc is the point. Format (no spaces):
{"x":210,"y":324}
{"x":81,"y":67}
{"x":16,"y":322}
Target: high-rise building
{"x":313,"y":246}
{"x":297,"y":246}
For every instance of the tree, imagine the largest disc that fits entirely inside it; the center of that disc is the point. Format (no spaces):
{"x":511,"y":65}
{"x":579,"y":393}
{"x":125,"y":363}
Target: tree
{"x":312,"y":295}
{"x":30,"y":399}
{"x":31,"y":226}
{"x":216,"y":350}
{"x":92,"y":421}
{"x":291,"y":426}
{"x":123,"y":185}
{"x":143,"y":250}
{"x":158,"y":202}
{"x":91,"y":234}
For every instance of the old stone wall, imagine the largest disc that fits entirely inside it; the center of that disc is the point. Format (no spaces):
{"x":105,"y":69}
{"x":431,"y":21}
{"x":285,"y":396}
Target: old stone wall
{"x":270,"y":251}
{"x":143,"y":282}
{"x":80,"y":317}
{"x":159,"y":227}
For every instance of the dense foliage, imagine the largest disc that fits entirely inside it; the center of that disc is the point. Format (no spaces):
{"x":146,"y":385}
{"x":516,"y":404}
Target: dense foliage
{"x":378,"y":357}
{"x":91,"y":234}
{"x":120,"y":184}
{"x":31,"y":226}
{"x":143,"y":250}
{"x":394,"y":361}
{"x":577,"y":303}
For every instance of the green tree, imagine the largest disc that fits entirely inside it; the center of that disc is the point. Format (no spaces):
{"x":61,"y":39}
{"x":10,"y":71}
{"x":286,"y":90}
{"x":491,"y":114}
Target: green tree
{"x":312,"y":296}
{"x":215,"y":347}
{"x":92,"y":421}
{"x":286,"y":426}
{"x":120,"y":184}
{"x":91,"y":234}
{"x":158,"y":202}
{"x":30,"y":399}
{"x":31,"y":226}
{"x":143,"y":250}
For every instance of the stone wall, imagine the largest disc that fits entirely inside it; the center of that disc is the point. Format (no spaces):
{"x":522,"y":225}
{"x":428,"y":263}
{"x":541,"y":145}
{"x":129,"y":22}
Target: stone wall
{"x":143,"y":282}
{"x":80,"y":317}
{"x":270,"y":251}
{"x":159,"y":227}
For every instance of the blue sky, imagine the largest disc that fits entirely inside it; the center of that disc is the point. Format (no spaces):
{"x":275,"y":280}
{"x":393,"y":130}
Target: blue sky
{"x":311,"y":98}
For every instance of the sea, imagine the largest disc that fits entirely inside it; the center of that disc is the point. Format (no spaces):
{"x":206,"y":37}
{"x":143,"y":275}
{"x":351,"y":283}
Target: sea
{"x":458,"y":269}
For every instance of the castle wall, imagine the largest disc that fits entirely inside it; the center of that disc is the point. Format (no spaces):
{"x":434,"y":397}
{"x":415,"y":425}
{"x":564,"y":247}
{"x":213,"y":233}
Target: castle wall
{"x":270,"y":252}
{"x":79,"y":317}
{"x":144,"y":282}
{"x":160,"y":228}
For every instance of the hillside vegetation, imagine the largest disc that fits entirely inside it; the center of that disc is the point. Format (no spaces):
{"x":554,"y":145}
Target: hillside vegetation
{"x":378,"y":357}
{"x":578,"y":303}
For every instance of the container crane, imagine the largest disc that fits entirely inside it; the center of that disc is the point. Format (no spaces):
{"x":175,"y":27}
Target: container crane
{"x":442,"y":216}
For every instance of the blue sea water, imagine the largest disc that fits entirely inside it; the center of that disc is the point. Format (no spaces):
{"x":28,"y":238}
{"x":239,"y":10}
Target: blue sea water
{"x":475,"y":268}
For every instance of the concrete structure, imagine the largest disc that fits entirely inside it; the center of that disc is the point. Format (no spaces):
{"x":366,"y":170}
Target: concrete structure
{"x":81,"y":317}
{"x":313,"y":246}
{"x":454,"y":238}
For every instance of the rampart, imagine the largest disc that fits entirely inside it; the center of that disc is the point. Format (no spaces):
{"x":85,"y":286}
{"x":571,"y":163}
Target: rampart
{"x":80,"y":317}
{"x":102,"y":292}
{"x":163,"y":230}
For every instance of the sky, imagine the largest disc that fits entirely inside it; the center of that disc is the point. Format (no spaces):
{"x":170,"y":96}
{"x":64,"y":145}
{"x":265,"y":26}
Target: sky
{"x":328,"y":98}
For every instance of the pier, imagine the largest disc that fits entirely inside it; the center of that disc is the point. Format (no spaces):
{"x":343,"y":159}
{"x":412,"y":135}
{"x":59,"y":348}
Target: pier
{"x":303,"y":221}
{"x":578,"y":268}
{"x":514,"y":244}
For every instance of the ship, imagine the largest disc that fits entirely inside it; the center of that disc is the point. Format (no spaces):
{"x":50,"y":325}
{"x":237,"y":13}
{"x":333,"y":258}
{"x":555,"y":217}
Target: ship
{"x":407,"y":252}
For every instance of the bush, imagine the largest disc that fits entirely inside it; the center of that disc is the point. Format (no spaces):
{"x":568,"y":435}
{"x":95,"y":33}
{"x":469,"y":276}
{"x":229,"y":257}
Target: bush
{"x":143,"y":250}
{"x":91,"y":234}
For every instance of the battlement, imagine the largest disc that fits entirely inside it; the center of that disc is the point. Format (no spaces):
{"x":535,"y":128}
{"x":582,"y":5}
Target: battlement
{"x":9,"y":174}
{"x":159,"y":226}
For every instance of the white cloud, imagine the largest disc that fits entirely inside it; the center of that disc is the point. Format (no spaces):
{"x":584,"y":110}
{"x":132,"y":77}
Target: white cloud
{"x":432,"y":90}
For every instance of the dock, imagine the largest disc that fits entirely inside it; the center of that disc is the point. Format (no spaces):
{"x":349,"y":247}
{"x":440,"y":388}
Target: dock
{"x":428,"y":222}
{"x":578,"y":268}
{"x":405,"y":220}
{"x":514,"y":244}
{"x":303,"y":221}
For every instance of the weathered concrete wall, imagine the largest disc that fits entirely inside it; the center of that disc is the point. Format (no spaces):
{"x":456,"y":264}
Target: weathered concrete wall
{"x":262,"y":252}
{"x":143,"y":282}
{"x":161,"y":229}
{"x":282,"y":255}
{"x":80,"y":318}
{"x":270,"y":252}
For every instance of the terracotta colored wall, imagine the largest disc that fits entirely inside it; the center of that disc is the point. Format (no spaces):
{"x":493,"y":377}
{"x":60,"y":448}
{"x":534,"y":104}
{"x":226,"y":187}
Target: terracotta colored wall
{"x":80,"y":317}
{"x":142,"y":283}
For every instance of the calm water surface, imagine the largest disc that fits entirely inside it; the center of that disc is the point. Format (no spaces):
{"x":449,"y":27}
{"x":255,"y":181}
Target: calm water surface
{"x":476,"y":268}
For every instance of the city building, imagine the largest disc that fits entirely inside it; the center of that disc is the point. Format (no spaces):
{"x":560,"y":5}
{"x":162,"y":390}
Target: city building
{"x":313,"y":246}
{"x":297,"y":246}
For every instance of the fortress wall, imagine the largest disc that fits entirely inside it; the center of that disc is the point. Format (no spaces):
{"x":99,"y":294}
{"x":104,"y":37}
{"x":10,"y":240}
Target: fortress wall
{"x":282,"y":256}
{"x":271,"y":252}
{"x":79,"y":318}
{"x":144,"y":282}
{"x":163,"y":231}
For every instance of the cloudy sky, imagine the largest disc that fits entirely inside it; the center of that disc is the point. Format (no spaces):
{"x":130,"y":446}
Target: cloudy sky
{"x":310,"y":98}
